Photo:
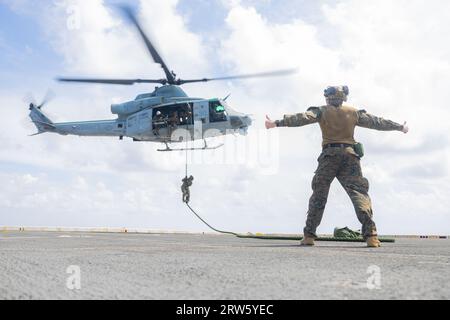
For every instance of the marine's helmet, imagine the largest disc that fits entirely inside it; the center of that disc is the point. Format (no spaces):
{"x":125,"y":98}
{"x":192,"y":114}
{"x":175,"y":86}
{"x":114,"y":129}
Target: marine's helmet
{"x":336,"y":95}
{"x":158,"y":113}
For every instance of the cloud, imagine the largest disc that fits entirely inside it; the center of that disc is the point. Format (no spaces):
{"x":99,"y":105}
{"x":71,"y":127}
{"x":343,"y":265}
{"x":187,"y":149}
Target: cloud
{"x":102,"y":42}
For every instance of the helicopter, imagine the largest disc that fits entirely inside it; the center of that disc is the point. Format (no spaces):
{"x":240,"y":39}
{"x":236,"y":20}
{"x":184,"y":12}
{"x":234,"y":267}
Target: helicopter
{"x":166,"y":115}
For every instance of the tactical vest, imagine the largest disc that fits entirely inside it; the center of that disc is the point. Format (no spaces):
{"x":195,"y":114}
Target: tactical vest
{"x":338,"y":124}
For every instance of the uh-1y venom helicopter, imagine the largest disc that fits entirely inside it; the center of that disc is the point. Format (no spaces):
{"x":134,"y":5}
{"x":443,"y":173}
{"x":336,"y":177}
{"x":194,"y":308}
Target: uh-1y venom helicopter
{"x":155,"y":116}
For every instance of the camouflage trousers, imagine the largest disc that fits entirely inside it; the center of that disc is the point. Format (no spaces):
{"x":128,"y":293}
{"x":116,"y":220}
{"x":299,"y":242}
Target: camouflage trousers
{"x":344,"y":165}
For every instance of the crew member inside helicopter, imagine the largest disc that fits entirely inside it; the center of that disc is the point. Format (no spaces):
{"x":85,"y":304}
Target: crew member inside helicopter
{"x":159,"y":121}
{"x":185,"y":116}
{"x":174,"y":121}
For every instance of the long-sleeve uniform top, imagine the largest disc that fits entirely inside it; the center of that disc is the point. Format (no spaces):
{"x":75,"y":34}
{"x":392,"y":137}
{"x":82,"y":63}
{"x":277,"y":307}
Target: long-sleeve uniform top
{"x":338,"y":123}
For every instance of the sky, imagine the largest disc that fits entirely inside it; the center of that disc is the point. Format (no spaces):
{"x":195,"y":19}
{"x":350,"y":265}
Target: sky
{"x":392,"y":54}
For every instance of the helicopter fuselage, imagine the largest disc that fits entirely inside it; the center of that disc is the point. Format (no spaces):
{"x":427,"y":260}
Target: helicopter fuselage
{"x":167,"y":115}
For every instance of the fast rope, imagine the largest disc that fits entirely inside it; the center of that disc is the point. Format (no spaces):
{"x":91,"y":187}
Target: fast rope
{"x":185,"y":189}
{"x":211,"y":227}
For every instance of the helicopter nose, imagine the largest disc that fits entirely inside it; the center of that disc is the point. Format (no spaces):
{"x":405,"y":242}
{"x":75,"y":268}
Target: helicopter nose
{"x":236,"y":122}
{"x":248,"y":120}
{"x":240,"y":122}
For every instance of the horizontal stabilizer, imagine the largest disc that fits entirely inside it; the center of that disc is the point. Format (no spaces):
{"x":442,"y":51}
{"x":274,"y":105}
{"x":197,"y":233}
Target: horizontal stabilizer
{"x":36,"y":134}
{"x":47,"y":126}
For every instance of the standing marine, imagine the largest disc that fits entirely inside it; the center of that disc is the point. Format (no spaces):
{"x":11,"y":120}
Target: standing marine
{"x":340,"y":158}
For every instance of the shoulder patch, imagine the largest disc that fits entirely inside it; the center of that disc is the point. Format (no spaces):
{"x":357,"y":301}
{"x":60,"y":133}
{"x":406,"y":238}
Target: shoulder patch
{"x":317,"y":111}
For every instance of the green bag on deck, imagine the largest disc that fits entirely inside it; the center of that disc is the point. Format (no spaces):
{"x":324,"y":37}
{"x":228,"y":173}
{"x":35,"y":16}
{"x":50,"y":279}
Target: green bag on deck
{"x":346,"y":233}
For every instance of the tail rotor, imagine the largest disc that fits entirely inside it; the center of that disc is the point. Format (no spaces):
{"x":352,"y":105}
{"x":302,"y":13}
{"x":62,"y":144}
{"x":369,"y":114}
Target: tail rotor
{"x":40,"y":120}
{"x":30,"y":100}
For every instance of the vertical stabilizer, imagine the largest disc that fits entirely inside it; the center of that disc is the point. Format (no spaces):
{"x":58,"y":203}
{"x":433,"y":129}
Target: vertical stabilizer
{"x":40,"y":120}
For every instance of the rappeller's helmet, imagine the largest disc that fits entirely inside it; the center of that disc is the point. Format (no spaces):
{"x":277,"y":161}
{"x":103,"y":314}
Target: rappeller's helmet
{"x":158,"y":113}
{"x":336,"y":95}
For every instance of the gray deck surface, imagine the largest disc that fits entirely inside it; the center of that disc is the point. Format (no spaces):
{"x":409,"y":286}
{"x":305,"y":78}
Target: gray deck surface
{"x":33,"y":265}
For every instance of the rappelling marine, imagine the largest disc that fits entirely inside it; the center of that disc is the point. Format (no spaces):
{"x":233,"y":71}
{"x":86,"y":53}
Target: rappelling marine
{"x":185,"y":188}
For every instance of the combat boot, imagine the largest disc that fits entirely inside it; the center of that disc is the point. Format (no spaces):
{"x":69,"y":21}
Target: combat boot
{"x":373,"y":242}
{"x":307,"y":241}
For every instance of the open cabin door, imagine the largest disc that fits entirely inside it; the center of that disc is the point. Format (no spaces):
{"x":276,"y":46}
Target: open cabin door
{"x":167,"y":119}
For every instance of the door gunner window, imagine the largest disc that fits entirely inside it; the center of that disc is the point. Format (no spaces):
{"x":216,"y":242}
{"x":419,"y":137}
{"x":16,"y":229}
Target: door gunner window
{"x":217,"y":112}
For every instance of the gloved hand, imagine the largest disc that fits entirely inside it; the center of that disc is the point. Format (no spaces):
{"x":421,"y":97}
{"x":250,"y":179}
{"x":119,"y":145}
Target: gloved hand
{"x":405,"y":128}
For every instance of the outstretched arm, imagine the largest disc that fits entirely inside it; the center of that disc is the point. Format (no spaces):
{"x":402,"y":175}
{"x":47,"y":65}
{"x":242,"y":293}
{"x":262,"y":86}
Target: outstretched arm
{"x":369,"y":121}
{"x":296,"y":120}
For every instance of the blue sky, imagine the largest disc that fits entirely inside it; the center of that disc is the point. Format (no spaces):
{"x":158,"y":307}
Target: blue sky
{"x":392,"y":72}
{"x":26,"y":52}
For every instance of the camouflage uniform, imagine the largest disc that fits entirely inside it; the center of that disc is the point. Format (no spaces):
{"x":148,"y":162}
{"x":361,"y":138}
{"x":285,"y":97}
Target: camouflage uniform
{"x":185,"y":188}
{"x":341,"y":162}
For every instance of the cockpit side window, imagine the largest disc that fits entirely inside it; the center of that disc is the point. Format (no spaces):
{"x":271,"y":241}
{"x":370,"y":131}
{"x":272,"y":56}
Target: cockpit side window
{"x":217,"y":112}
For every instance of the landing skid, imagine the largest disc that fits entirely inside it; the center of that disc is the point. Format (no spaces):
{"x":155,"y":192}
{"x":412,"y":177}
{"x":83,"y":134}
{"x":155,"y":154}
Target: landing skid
{"x":205,"y":147}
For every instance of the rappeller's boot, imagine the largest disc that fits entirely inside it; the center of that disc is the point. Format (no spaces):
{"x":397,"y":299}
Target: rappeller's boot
{"x":307,"y":241}
{"x":373,"y":242}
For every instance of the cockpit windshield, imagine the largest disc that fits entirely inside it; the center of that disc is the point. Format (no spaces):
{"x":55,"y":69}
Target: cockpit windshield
{"x":220,"y":108}
{"x":217,"y":112}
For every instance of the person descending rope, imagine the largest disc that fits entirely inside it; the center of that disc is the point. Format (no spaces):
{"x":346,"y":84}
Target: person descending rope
{"x":187,"y":183}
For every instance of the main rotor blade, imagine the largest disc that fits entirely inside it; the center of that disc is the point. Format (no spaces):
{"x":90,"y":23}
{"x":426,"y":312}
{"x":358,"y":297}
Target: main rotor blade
{"x":245,"y":76}
{"x":127,"y":82}
{"x":151,"y":48}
